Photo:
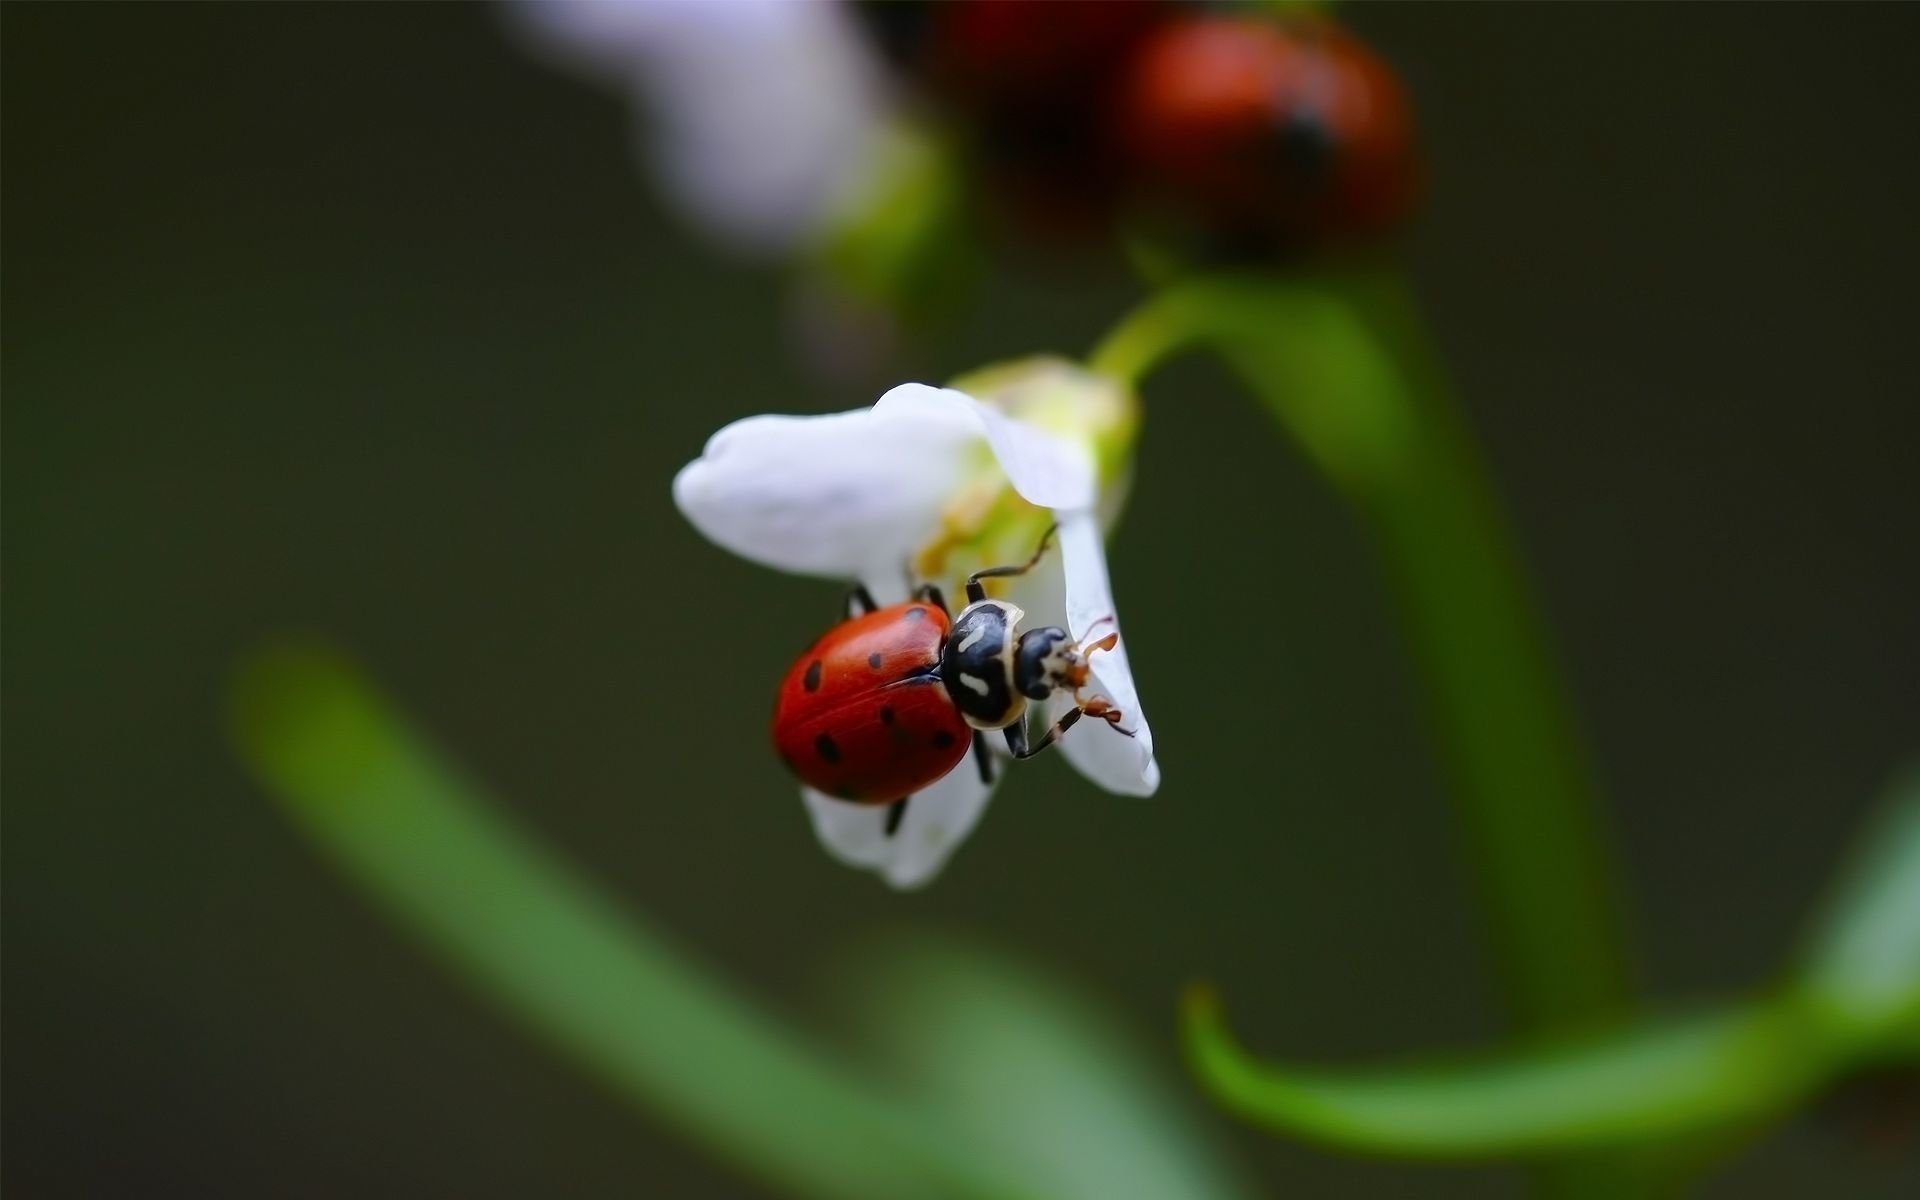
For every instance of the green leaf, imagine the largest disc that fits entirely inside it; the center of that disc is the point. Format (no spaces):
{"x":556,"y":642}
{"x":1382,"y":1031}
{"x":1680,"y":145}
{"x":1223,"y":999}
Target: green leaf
{"x":552,"y":952}
{"x":1035,"y":1075}
{"x":1864,"y":965}
{"x":1711,"y":1071}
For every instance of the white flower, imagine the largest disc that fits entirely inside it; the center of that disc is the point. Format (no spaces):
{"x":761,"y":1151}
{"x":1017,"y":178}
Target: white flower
{"x":762,"y":116}
{"x":929,"y":485}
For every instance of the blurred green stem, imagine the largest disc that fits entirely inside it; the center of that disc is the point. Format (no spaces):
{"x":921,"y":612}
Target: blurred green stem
{"x":1672,"y":1095}
{"x":545,"y":945}
{"x":1342,"y":362}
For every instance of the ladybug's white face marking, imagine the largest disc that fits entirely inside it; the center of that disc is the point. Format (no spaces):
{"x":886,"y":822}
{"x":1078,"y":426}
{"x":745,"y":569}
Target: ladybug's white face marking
{"x":975,"y":682}
{"x":1065,"y":667}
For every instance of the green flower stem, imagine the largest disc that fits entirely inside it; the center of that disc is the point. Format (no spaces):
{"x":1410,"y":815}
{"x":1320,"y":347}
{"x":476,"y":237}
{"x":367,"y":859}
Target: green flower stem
{"x":1341,"y":362}
{"x":1683,"y":1092}
{"x":559,"y":958}
{"x":1740,"y":1064}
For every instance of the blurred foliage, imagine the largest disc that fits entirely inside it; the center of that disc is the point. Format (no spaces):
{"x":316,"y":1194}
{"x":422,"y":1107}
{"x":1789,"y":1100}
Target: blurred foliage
{"x":1863,"y":964}
{"x":1019,"y":1067}
{"x":1020,"y":1094}
{"x":906,"y":246}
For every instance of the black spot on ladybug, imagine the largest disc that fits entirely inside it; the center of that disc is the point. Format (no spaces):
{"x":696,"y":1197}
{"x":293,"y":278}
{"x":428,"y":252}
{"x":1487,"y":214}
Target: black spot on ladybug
{"x":828,"y":750}
{"x":886,"y":715}
{"x":811,"y":681}
{"x":915,"y":614}
{"x":1306,"y":144}
{"x":943,"y":739}
{"x":874,"y":661}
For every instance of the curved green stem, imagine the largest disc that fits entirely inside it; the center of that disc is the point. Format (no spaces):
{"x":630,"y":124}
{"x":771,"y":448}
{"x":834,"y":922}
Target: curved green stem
{"x":552,"y":951}
{"x":1735,"y":1065}
{"x":1675,"y":1094}
{"x":1342,"y":363}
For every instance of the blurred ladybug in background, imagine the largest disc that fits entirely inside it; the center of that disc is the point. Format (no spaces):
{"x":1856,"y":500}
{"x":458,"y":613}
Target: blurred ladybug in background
{"x":1260,"y":132}
{"x":1288,"y":131}
{"x":1202,"y":138}
{"x":1035,"y":83}
{"x":890,"y":700}
{"x":1029,"y":85}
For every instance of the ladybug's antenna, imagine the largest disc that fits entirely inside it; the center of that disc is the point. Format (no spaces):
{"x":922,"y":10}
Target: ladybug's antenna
{"x":1089,"y":643}
{"x":976,"y":592}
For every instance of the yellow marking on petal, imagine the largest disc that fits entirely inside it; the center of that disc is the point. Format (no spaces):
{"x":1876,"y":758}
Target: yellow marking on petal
{"x":988,"y":524}
{"x":1065,"y":399}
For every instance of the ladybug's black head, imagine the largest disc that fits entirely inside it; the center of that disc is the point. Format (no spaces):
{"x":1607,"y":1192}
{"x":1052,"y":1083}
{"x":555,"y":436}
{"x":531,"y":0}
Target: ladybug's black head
{"x":1045,"y":661}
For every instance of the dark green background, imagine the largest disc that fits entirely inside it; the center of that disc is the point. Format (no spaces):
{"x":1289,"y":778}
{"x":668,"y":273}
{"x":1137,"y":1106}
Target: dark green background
{"x":350,"y":319}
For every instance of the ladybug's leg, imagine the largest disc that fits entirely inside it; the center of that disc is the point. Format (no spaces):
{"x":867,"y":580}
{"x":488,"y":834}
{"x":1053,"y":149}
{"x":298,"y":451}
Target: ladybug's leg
{"x":982,"y":758}
{"x":976,"y":592}
{"x":932,"y":594}
{"x":1017,"y":734}
{"x":1096,"y":707}
{"x":859,"y":601}
{"x":895,"y":812}
{"x":1099,"y":707}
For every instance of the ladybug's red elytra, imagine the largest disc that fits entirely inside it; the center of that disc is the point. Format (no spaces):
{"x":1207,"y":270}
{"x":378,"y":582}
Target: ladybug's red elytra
{"x":1293,"y":128}
{"x":889,"y":701}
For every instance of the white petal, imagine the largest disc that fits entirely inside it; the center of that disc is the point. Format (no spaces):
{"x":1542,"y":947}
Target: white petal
{"x":765,"y":138}
{"x":1046,"y":470}
{"x":604,"y":38}
{"x":1116,"y":763}
{"x":887,"y":587}
{"x":851,"y":495}
{"x":936,"y":821}
{"x":761,"y":115}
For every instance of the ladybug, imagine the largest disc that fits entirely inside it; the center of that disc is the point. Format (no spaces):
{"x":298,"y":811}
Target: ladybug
{"x":890,"y":700}
{"x":1293,"y":130}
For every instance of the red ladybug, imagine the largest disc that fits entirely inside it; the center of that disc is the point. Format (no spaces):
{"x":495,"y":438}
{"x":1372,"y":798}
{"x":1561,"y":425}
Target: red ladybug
{"x":1289,"y":129}
{"x":889,"y":701}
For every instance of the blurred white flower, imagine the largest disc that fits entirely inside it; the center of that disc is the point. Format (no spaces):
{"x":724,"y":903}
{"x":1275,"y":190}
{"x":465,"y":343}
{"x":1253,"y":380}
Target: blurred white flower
{"x":760,"y":117}
{"x":929,"y":485}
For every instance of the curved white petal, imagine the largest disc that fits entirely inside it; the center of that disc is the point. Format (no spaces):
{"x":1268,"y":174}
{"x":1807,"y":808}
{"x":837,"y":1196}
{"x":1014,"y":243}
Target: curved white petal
{"x":1046,"y":470}
{"x":1118,"y":764}
{"x":850,"y":495}
{"x":936,"y":821}
{"x":856,"y":494}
